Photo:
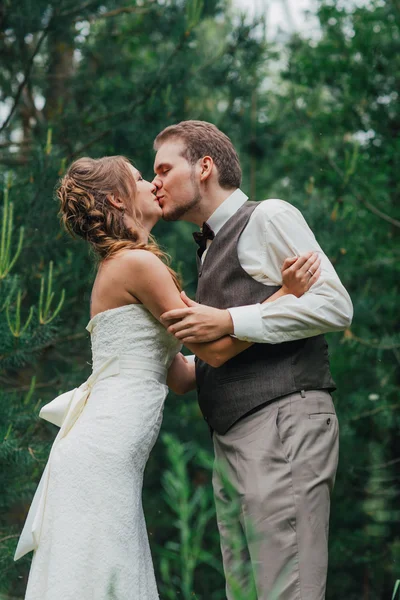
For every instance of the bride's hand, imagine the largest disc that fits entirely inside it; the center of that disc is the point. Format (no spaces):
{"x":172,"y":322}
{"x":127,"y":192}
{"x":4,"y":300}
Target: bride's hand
{"x":299,"y":273}
{"x":181,"y":375}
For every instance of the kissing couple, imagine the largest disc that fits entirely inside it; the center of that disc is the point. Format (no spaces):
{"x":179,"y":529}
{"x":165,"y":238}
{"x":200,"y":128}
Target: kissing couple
{"x":266,"y":295}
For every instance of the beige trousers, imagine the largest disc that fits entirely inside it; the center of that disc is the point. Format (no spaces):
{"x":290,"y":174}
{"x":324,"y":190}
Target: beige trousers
{"x":273,"y":476}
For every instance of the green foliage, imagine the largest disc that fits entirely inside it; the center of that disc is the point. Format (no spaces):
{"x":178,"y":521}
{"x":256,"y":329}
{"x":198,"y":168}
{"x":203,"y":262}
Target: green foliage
{"x":192,"y":509}
{"x":6,"y":262}
{"x":45,"y":300}
{"x":22,"y":449}
{"x":320,"y":129}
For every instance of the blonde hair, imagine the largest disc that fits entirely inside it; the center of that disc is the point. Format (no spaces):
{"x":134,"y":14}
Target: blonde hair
{"x":86,"y":212}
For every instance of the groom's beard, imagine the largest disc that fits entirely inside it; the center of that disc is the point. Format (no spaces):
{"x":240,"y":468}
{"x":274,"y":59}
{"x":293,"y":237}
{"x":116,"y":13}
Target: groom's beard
{"x":179,"y":211}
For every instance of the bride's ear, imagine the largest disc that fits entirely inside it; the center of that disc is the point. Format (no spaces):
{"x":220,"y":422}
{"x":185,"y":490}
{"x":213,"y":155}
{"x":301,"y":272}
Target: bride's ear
{"x":115,"y":202}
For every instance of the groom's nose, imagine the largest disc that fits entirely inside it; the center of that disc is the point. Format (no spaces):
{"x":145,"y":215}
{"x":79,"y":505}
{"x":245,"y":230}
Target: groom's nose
{"x":157,"y":182}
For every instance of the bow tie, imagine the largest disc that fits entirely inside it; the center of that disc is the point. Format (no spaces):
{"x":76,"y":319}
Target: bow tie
{"x":201,"y":237}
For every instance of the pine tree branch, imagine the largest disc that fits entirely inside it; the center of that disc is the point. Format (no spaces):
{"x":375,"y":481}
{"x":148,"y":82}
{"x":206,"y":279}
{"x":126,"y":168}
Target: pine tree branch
{"x":118,"y":11}
{"x":78,"y":11}
{"x":26,"y":388}
{"x":389,"y":463}
{"x":349,"y":335}
{"x":83,"y":148}
{"x":376,"y":211}
{"x":9,"y":537}
{"x":50,"y":344}
{"x":374,"y":411}
{"x":18,"y":161}
{"x":21,"y":143}
{"x":26,"y":75}
{"x":357,"y":196}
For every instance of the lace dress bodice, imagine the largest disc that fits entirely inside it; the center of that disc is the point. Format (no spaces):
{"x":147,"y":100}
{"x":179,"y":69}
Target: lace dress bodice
{"x":132,"y":330}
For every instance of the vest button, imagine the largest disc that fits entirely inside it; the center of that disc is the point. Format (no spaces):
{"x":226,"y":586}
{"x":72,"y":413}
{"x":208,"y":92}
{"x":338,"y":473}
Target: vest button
{"x":328,"y":422}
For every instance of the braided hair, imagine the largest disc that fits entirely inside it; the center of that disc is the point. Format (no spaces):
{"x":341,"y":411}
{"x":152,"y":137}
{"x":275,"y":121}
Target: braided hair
{"x":85,"y":211}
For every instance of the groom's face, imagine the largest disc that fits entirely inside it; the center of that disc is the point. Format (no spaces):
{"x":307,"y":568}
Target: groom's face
{"x":177,"y":181}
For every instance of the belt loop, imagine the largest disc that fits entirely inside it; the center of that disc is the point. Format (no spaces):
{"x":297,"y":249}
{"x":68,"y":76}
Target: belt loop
{"x":302,"y":393}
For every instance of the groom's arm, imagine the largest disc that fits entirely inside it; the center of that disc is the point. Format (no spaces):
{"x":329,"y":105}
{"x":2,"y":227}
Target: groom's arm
{"x":278,"y":230}
{"x":326,"y":307}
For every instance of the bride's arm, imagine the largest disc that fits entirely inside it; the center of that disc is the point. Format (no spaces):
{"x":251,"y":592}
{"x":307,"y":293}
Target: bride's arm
{"x":151,"y":283}
{"x":149,"y":280}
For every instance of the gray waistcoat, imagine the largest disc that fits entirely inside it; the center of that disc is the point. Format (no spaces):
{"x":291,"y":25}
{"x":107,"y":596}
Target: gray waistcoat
{"x":263,"y":372}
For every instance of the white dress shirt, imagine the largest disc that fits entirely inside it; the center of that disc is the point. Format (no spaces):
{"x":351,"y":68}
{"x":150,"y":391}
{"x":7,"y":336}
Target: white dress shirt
{"x":277,"y":230}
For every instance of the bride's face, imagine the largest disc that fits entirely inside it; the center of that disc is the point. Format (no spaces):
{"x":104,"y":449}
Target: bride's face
{"x":145,"y":203}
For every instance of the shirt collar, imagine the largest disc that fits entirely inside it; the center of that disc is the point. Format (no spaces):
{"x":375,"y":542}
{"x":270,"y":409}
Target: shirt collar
{"x":226,"y":210}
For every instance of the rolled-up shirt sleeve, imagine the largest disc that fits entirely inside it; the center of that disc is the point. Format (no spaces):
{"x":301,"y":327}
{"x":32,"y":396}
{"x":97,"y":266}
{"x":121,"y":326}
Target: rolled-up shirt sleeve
{"x":325,"y":307}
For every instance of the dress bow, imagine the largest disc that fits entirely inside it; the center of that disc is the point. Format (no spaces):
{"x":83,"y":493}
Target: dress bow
{"x":63,"y":411}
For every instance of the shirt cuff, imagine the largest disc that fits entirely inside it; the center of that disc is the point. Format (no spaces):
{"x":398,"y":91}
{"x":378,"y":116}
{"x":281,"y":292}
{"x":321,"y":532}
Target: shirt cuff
{"x":190,"y":358}
{"x":247,"y":322}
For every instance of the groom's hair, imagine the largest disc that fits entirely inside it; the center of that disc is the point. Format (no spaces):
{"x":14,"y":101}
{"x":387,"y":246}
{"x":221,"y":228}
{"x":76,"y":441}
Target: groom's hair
{"x":205,"y":139}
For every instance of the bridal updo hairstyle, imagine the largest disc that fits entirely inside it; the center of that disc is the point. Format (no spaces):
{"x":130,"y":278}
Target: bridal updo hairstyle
{"x":86,"y":212}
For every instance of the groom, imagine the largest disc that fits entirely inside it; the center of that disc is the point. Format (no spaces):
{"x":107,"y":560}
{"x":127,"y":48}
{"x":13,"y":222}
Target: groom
{"x":275,"y":430}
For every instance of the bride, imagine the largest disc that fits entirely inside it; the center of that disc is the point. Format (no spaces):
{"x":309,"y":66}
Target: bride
{"x":86,"y":523}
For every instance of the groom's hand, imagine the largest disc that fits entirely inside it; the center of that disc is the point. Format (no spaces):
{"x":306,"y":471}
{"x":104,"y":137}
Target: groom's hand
{"x":197,"y":323}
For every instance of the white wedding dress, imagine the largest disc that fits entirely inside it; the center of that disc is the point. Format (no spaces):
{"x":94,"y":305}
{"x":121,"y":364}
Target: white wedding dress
{"x":86,"y":523}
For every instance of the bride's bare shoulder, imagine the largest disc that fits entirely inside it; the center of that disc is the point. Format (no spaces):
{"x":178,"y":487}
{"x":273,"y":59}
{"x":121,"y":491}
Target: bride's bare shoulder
{"x":148,"y":279}
{"x":139,"y":260}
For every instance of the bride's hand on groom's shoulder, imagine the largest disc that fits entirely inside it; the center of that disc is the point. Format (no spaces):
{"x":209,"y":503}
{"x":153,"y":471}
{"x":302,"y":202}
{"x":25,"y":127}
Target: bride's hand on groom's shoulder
{"x":299,"y":273}
{"x":197,"y":323}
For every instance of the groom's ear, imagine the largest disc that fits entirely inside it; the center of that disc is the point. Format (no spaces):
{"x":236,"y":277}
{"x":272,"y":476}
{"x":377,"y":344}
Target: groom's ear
{"x":206,"y":168}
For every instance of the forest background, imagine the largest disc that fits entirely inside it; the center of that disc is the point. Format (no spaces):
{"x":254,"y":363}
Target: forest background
{"x":316,"y":121}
